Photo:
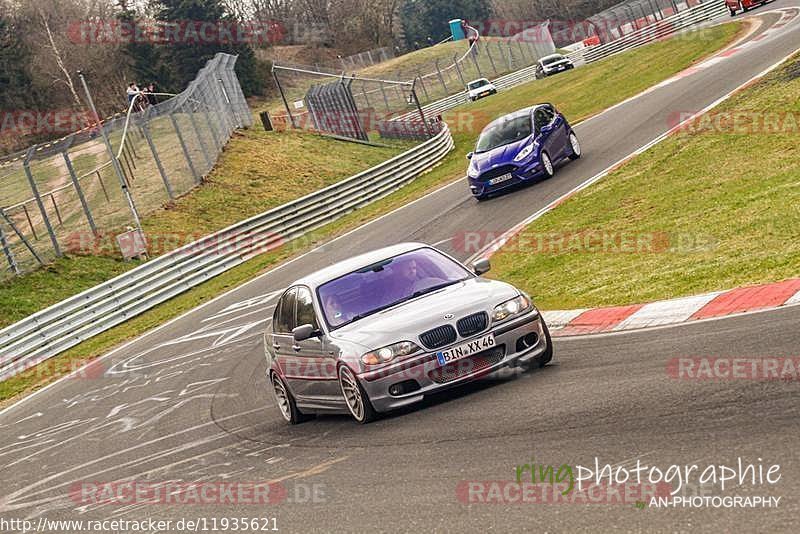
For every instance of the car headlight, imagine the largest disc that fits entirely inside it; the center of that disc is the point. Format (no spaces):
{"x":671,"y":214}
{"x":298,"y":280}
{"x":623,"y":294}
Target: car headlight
{"x":472,"y":172}
{"x":510,"y":308}
{"x":390,"y":352}
{"x":525,"y":152}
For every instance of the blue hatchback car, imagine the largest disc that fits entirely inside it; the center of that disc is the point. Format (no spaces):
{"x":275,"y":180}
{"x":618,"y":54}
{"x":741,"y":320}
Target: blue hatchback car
{"x":520,"y":147}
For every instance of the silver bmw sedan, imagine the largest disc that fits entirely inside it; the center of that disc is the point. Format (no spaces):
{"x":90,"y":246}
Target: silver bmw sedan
{"x":384,"y":329}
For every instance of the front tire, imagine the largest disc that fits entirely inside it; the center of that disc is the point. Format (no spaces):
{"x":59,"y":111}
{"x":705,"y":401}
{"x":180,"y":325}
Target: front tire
{"x":575,"y":146}
{"x":733,"y":12}
{"x":547,"y":165}
{"x":355,"y":397}
{"x":286,"y":403}
{"x":547,"y":355}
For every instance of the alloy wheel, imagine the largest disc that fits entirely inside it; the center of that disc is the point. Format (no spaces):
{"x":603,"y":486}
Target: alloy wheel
{"x":282,"y":396}
{"x":352,"y":392}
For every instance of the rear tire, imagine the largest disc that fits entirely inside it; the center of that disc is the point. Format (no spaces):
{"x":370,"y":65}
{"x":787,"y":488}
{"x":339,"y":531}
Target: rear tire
{"x":574,"y":146}
{"x":286,"y":403}
{"x":355,"y":397}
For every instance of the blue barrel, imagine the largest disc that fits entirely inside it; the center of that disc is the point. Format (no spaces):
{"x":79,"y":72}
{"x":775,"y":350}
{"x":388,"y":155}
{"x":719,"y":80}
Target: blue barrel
{"x":457,"y":30}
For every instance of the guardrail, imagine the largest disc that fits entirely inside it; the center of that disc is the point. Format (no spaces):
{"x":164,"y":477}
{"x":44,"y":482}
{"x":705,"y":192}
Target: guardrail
{"x":706,"y":11}
{"x":53,"y":330}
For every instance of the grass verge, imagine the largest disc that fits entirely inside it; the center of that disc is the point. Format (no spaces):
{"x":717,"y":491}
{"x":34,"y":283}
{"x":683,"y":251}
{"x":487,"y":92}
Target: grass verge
{"x":714,"y":207}
{"x":579,"y":94}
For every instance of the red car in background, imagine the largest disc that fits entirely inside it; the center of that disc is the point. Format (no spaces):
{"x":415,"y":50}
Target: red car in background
{"x":743,"y":5}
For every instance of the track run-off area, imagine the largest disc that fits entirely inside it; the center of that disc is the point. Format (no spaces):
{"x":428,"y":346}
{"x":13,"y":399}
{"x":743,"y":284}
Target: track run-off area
{"x":189,"y":402}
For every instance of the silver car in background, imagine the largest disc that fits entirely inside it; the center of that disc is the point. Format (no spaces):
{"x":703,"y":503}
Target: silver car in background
{"x":384,"y":329}
{"x":552,"y":64}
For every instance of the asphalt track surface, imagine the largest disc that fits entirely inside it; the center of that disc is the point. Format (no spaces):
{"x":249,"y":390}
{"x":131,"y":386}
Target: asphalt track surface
{"x":189,"y":401}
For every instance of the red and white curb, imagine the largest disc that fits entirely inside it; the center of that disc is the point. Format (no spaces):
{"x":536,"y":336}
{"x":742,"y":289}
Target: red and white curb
{"x":673,"y":311}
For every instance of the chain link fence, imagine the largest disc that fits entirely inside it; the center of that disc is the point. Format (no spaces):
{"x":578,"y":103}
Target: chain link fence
{"x":71,"y":194}
{"x":628,"y":17}
{"x":398,"y":88}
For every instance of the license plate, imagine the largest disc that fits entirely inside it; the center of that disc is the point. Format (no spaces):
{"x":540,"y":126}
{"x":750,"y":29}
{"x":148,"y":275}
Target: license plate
{"x":485,"y":93}
{"x":465,"y":349}
{"x":499,"y":179}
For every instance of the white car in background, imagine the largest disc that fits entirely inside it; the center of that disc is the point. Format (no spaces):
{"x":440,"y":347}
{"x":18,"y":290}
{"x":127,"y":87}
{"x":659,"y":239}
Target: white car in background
{"x":552,"y":64}
{"x":479,"y":88}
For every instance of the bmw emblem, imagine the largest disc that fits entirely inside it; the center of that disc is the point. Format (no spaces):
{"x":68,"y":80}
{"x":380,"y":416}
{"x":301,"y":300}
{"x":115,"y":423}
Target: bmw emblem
{"x":448,"y":316}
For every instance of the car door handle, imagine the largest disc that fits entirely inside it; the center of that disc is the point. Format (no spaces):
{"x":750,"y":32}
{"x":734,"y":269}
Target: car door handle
{"x":296,"y":348}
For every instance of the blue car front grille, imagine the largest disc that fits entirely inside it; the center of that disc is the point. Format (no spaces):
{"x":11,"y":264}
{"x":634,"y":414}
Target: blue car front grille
{"x":494,"y":173}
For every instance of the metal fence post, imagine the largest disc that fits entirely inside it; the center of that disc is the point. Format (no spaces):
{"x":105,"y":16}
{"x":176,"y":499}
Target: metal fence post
{"x":161,"y":171}
{"x":364,"y":92}
{"x":21,"y":236}
{"x":385,"y":98}
{"x":488,"y":52}
{"x":522,"y":52}
{"x":183,"y":147}
{"x":422,"y":84}
{"x":475,"y":60}
{"x":441,"y":78}
{"x":203,"y":147}
{"x":12,"y":263}
{"x":458,"y":70}
{"x":76,"y":184}
{"x":510,"y":57}
{"x":39,"y":202}
{"x":114,"y":161}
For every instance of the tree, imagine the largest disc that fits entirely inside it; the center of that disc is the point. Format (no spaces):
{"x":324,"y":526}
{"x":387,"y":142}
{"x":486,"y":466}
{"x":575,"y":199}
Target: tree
{"x":192,"y":50}
{"x":15,"y":81}
{"x":429,"y":18}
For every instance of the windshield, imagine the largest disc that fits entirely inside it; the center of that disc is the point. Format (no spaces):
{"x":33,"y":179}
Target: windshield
{"x":376,"y":287}
{"x":551,"y":59}
{"x":504,"y":133}
{"x":477,"y":84}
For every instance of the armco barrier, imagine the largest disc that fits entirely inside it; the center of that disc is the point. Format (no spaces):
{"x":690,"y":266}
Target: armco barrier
{"x":55,"y":329}
{"x":667,"y":27}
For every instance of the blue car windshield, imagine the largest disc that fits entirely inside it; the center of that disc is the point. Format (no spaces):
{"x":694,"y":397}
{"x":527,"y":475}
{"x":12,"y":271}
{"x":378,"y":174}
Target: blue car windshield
{"x":503,"y":133}
{"x":379,"y":286}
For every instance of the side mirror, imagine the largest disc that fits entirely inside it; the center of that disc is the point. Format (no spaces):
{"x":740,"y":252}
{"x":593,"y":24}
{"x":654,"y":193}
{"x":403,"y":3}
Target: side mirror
{"x":470,"y":154}
{"x":303,"y":332}
{"x":481,"y":266}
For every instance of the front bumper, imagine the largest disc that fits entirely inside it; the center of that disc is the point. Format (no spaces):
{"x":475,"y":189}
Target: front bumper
{"x":425,"y":372}
{"x":520,"y":175}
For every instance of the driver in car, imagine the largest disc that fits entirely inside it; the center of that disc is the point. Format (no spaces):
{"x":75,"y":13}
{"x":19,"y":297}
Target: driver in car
{"x":404,"y":279}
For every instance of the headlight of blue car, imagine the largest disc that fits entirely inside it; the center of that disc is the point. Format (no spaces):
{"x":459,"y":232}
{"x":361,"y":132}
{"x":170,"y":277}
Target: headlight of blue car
{"x":472,"y":172}
{"x":525,"y":152}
